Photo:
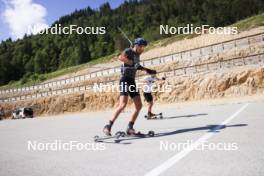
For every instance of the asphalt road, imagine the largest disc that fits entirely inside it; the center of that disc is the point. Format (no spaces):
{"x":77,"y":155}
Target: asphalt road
{"x":195,"y":140}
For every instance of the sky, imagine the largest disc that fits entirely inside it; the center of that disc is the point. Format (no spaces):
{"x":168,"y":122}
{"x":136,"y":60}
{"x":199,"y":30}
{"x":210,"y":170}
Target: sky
{"x":17,"y":15}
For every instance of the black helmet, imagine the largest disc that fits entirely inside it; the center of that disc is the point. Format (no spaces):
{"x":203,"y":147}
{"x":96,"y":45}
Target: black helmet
{"x":140,"y":41}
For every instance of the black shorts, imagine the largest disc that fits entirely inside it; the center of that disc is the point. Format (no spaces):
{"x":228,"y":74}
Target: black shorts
{"x":148,"y":97}
{"x":128,"y":87}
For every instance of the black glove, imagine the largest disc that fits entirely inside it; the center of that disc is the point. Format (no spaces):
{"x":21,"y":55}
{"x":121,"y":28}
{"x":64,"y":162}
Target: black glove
{"x":151,"y":72}
{"x":138,"y":66}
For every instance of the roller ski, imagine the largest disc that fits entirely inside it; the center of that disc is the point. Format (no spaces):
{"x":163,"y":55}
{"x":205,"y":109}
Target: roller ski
{"x":121,"y":135}
{"x":134,"y":135}
{"x":130,"y":132}
{"x":117,"y":135}
{"x":154,"y":116}
{"x":108,"y":135}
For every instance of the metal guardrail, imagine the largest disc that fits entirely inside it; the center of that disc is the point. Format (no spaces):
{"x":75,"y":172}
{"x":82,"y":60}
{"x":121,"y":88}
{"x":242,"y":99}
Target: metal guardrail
{"x":187,"y":54}
{"x":256,"y":59}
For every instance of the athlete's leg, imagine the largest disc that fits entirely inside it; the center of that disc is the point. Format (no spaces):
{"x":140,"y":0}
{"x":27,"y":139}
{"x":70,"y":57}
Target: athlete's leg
{"x":150,"y":105}
{"x":138,"y":106}
{"x":149,"y":99}
{"x":122,"y":104}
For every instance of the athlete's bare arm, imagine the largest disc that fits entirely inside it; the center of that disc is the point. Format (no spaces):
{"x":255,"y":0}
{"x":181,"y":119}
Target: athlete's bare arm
{"x":123,"y":58}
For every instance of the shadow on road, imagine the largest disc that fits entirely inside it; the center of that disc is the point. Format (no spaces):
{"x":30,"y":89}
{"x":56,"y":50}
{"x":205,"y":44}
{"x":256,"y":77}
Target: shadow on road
{"x":208,"y":128}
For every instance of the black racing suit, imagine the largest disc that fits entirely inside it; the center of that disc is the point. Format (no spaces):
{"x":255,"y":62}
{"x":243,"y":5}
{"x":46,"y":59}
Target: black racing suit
{"x":127,"y":82}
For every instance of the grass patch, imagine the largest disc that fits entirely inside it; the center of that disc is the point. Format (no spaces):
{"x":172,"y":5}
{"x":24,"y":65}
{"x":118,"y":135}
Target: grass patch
{"x":251,"y":22}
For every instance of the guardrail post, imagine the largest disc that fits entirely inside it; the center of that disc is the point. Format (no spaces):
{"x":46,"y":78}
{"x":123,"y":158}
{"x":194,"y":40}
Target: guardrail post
{"x":260,"y":59}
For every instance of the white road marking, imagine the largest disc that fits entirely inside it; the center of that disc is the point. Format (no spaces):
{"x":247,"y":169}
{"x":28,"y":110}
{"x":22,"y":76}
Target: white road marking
{"x":177,"y":157}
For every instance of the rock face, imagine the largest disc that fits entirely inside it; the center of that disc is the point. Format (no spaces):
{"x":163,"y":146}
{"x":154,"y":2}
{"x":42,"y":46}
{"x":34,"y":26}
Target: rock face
{"x":205,"y":86}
